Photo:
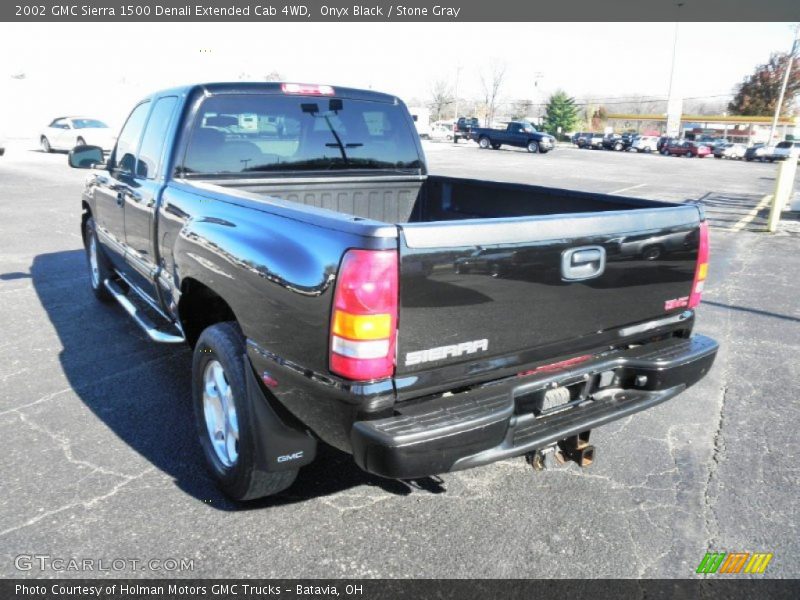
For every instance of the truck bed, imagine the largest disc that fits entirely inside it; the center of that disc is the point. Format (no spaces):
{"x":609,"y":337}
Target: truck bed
{"x":482,"y":263}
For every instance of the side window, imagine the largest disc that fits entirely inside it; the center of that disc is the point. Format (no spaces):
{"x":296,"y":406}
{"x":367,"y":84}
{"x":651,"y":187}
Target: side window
{"x":124,"y":159}
{"x":154,"y":137}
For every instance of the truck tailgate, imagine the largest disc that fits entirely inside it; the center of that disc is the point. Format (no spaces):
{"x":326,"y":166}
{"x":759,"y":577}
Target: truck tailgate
{"x":493,"y":291}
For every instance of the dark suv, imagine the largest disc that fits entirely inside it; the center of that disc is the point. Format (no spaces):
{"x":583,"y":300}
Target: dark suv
{"x":463,"y":126}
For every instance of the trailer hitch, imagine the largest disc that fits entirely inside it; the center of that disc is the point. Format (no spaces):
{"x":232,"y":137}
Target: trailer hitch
{"x":578,"y":449}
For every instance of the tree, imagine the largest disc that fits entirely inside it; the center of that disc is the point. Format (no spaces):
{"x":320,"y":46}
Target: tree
{"x":757,"y":94}
{"x":521,"y":109}
{"x":491,"y":83}
{"x":560,"y":112}
{"x":441,"y":98}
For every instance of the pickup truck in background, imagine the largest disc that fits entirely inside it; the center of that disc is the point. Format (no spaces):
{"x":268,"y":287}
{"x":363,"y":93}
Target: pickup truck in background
{"x":463,"y":126}
{"x":517,"y":133}
{"x":333,"y":290}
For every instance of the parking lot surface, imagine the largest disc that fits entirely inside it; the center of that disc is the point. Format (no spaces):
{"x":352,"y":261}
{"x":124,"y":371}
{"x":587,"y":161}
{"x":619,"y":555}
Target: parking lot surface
{"x":100,"y":458}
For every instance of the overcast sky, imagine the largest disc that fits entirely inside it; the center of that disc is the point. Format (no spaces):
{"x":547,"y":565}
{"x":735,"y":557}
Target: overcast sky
{"x":101,"y":69}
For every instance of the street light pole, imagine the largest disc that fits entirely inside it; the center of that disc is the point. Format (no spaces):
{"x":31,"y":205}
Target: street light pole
{"x":789,"y":61}
{"x":458,"y":72}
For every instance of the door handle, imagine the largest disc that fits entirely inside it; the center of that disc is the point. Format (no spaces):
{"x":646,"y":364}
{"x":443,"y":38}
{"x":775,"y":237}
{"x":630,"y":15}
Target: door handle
{"x":586,"y":262}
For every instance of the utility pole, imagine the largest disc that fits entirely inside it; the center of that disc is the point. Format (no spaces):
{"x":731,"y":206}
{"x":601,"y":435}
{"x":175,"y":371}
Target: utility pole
{"x":789,"y":61}
{"x":458,"y":72}
{"x":674,"y":104}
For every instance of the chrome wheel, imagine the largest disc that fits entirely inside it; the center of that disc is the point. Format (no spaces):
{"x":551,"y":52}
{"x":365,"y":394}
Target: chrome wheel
{"x":93,"y":262}
{"x":220,"y":414}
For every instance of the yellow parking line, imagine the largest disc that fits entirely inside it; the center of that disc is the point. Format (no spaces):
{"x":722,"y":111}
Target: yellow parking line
{"x":748,"y":218}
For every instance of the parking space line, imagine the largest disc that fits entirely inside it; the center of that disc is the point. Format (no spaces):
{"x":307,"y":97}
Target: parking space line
{"x":625,"y":189}
{"x":748,"y":218}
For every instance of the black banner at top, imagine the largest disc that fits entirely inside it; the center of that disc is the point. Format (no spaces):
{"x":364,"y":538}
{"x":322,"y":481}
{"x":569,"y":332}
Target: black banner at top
{"x":398,"y":10}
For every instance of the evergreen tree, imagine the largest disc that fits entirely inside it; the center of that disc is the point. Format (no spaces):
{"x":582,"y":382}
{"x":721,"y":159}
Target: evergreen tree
{"x":560,"y":112}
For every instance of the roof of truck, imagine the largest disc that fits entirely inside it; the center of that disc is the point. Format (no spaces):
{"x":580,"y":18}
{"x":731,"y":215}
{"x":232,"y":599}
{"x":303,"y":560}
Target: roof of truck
{"x":275,"y":87}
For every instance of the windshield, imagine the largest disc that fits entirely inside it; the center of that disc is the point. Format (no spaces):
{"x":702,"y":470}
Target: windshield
{"x":88,"y":124}
{"x":268,"y":133}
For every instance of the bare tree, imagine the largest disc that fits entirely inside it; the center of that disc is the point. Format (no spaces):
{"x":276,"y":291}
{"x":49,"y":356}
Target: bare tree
{"x":441,"y":98}
{"x":491,"y":83}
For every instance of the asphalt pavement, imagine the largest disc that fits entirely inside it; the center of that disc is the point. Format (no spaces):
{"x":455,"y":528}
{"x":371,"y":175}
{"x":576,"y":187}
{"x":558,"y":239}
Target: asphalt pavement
{"x":100,"y":459}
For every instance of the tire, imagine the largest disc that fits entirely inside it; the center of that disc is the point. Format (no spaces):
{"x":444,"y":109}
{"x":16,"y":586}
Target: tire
{"x":652,"y":252}
{"x":218,"y":381}
{"x":647,"y":149}
{"x":689,"y":155}
{"x":80,"y":142}
{"x":99,"y":265}
{"x":618,"y":147}
{"x":484,"y":143}
{"x":494,"y":270}
{"x":533,"y":147}
{"x":496,"y":146}
{"x":45,"y":143}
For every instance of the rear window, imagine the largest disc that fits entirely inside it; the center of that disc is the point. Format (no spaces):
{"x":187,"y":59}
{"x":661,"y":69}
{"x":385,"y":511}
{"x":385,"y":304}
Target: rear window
{"x":784,"y":145}
{"x":263,"y":133}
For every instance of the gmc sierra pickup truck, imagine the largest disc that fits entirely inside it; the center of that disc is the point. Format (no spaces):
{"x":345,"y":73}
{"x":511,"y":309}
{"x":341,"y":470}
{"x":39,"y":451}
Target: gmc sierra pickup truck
{"x":516,"y":133}
{"x":331,"y":289}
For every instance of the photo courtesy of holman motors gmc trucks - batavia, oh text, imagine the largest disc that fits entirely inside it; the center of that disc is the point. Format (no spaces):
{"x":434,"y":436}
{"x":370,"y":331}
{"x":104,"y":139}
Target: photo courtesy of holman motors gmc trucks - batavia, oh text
{"x":332,"y":290}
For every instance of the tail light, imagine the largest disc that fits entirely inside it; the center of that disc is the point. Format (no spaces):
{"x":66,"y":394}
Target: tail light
{"x":308,"y":89}
{"x":364,"y":319}
{"x":702,"y":267}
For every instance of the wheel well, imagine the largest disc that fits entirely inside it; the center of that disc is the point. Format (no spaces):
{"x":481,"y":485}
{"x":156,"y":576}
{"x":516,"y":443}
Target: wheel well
{"x":200,"y":307}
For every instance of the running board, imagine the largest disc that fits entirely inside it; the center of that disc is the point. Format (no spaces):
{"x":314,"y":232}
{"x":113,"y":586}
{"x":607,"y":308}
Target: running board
{"x":140,"y":318}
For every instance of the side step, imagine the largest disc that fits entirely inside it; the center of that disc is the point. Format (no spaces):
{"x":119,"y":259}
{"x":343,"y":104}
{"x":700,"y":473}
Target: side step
{"x":141,"y":319}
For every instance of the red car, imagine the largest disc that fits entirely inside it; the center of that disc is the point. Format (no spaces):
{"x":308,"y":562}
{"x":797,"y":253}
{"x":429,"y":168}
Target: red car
{"x":686,"y":148}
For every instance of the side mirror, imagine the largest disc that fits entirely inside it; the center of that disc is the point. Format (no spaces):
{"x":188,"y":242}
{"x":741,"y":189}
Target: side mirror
{"x":86,"y":157}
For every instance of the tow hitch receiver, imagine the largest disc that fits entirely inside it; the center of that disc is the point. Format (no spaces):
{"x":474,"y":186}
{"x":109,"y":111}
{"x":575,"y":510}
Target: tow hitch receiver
{"x":578,"y":449}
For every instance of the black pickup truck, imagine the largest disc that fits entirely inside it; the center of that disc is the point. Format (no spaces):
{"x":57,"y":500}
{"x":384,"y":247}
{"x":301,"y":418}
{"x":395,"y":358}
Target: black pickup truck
{"x":331,"y":289}
{"x":517,"y":133}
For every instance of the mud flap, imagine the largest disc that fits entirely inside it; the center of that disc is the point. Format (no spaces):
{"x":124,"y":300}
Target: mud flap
{"x":279,"y":446}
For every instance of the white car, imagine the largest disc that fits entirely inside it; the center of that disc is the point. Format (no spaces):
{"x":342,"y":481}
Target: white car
{"x":64,"y":133}
{"x":785,"y":150}
{"x":441,"y":132}
{"x":646,"y":143}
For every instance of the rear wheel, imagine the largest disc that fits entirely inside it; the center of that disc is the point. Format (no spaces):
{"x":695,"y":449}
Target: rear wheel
{"x":221,"y":409}
{"x":533,"y":146}
{"x":689,"y":155}
{"x":647,"y":149}
{"x":99,"y":265}
{"x":484,"y":143}
{"x":618,"y":147}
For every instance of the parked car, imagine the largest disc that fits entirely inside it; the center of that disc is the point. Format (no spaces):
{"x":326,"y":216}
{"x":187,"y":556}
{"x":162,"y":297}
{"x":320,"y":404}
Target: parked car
{"x":441,"y":132}
{"x":351,"y":323}
{"x":517,"y":133}
{"x":2,"y":144}
{"x":594,"y":141}
{"x":582,"y":139}
{"x":729,"y":150}
{"x":463,"y":126}
{"x":686,"y":148}
{"x":614,"y":142}
{"x":663,"y":141}
{"x":646,"y":143}
{"x":64,"y":133}
{"x":786,"y":149}
{"x":760,"y":152}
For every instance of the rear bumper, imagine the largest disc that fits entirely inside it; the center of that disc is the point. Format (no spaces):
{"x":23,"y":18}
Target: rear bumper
{"x":502,"y":420}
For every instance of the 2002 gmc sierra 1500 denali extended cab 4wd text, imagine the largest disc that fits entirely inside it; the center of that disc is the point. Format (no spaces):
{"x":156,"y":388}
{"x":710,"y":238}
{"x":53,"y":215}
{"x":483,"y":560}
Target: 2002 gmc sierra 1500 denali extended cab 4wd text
{"x":333,"y":290}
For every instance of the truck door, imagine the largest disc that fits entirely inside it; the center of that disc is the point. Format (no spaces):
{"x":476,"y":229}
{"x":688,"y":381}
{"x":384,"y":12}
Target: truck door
{"x":116,"y":184}
{"x":142,"y":197}
{"x":514,"y":134}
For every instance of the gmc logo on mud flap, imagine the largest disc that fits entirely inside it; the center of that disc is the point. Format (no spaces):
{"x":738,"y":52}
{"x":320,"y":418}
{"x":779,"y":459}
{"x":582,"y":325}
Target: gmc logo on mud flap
{"x":288,"y":457}
{"x":442,"y":352}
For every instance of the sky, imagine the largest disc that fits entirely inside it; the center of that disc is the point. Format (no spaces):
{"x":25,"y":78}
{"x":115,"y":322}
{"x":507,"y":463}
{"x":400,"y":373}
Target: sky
{"x":101,"y":69}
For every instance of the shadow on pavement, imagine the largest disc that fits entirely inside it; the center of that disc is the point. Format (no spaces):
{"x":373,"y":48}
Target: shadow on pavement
{"x":142,"y":391}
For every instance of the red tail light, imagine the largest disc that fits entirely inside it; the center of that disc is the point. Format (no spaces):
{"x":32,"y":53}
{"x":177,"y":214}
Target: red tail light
{"x":364,"y":319}
{"x":307,"y":89}
{"x":701,"y":270}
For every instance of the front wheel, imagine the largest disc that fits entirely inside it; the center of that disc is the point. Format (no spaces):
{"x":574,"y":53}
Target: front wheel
{"x":689,"y":155}
{"x":618,"y":147}
{"x":484,"y":143}
{"x":99,"y":265}
{"x":80,"y":142}
{"x":533,"y":147}
{"x":221,"y":409}
{"x":46,"y":147}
